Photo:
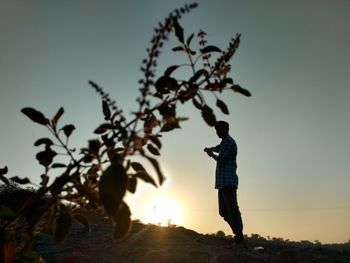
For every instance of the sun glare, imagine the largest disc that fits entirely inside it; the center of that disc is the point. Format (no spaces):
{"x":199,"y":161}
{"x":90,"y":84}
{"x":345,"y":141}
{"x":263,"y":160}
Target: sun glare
{"x":162,"y":211}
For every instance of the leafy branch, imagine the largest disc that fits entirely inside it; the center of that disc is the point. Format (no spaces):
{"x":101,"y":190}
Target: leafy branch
{"x":97,"y":178}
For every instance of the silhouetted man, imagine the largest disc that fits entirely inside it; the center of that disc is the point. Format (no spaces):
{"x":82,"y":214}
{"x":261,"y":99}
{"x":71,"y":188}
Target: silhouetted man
{"x":226,"y":179}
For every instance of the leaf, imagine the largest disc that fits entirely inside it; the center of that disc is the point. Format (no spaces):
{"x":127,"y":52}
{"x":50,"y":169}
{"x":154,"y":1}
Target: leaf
{"x":93,"y":84}
{"x":106,"y":110}
{"x":182,"y":119}
{"x":170,"y":70}
{"x":63,"y":224}
{"x":59,"y":182}
{"x":178,"y":48}
{"x":35,"y":116}
{"x":156,"y":166}
{"x":103,"y":128}
{"x":188,"y":94}
{"x":137,"y":167}
{"x":20,"y":180}
{"x":68,"y":129}
{"x":222,"y":106}
{"x":4,"y":179}
{"x":122,"y":222}
{"x":46,"y":141}
{"x":164,"y":84}
{"x":156,"y":141}
{"x":170,"y":126}
{"x":189,"y":39}
{"x":208,"y":115}
{"x":35,"y":211}
{"x":228,"y":81}
{"x":208,"y":49}
{"x":109,"y":142}
{"x":83,"y":221}
{"x":239,"y":89}
{"x":179,"y":32}
{"x":112,"y":187}
{"x":45,"y":158}
{"x":153,"y":149}
{"x":167,"y":110}
{"x":58,"y":165}
{"x":94,"y":146}
{"x":119,"y":149}
{"x":217,"y":86}
{"x":132,"y":183}
{"x":149,"y":123}
{"x":57,"y":116}
{"x":197,"y":104}
{"x":6,"y":211}
{"x":3,"y":170}
{"x":198,"y":74}
{"x":88,"y":158}
{"x":146,"y":177}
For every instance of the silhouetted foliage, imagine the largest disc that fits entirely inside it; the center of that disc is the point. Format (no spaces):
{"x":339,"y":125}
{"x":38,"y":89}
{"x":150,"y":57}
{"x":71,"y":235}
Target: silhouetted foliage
{"x":220,"y":233}
{"x":98,"y":176}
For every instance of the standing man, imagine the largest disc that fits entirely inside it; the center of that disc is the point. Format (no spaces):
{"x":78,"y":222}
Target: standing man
{"x":226,"y":179}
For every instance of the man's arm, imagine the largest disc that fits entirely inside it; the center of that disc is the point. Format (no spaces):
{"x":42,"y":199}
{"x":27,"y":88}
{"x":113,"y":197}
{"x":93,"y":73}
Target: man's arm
{"x":213,"y":149}
{"x":223,"y":148}
{"x":213,"y":155}
{"x":210,"y":151}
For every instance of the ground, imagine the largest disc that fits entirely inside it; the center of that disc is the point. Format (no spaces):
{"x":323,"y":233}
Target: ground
{"x":150,"y":243}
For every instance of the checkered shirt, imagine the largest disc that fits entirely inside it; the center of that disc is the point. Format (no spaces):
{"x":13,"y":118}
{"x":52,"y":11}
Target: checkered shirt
{"x":226,"y":164}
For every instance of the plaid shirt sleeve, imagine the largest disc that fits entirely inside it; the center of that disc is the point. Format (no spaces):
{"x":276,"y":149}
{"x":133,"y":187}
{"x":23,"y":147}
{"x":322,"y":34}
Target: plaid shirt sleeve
{"x":226,"y":164}
{"x":216,"y":148}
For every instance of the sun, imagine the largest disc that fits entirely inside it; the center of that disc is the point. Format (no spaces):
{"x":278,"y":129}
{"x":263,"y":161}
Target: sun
{"x":163,"y":211}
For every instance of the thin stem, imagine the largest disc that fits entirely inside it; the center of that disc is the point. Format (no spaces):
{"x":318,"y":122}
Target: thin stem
{"x":64,"y":145}
{"x":199,"y":56}
{"x":190,"y":58}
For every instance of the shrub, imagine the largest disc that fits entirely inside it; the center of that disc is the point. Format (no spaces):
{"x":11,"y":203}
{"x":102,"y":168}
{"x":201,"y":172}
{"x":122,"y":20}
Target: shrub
{"x":97,"y":178}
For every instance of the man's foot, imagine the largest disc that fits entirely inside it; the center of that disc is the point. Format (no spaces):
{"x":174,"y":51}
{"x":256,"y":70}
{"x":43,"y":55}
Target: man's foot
{"x":239,"y":241}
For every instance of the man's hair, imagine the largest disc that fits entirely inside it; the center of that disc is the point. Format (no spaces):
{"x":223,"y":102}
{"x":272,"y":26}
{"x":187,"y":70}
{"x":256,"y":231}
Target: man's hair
{"x":222,"y":124}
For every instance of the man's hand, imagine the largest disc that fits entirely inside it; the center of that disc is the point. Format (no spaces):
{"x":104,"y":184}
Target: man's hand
{"x":209,"y":152}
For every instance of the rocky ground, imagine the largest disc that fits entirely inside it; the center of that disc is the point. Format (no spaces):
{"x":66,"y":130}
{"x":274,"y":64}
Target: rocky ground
{"x":149,"y":243}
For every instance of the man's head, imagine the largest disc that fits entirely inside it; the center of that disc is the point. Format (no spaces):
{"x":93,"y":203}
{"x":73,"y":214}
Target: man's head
{"x":222,"y":128}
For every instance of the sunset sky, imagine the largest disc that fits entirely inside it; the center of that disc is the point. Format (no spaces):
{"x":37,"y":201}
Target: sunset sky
{"x":292,"y":134}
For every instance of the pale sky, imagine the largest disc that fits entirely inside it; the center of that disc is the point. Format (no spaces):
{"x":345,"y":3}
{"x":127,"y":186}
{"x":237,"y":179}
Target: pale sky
{"x":292,"y":134}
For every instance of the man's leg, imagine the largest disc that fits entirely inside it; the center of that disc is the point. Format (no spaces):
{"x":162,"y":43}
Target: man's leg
{"x":233,"y":215}
{"x":222,"y":206}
